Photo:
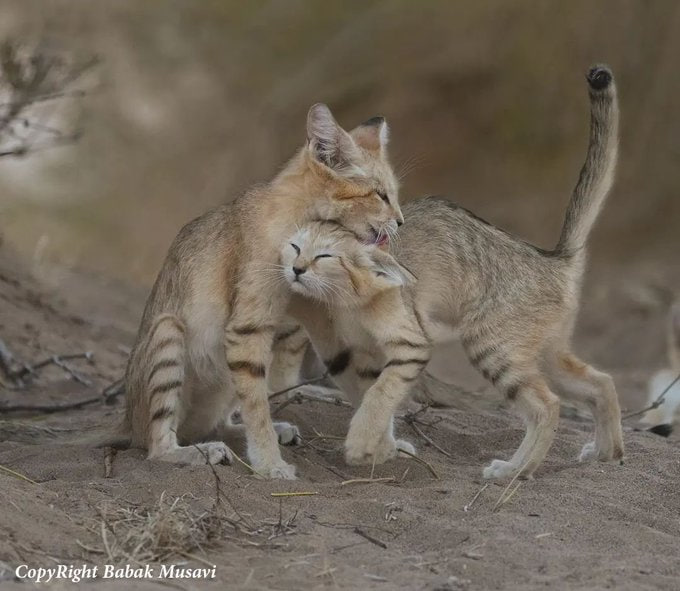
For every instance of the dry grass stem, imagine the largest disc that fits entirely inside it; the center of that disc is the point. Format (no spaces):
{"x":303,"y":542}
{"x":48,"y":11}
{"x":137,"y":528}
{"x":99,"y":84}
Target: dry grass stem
{"x":467,"y":507}
{"x":16,"y":474}
{"x":294,"y":494}
{"x":421,"y":461}
{"x":366,"y":480}
{"x":657,"y":403}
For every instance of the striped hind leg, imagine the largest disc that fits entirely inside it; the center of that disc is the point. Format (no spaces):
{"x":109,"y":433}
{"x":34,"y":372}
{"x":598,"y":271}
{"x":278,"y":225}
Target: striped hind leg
{"x":530,"y":396}
{"x":288,"y":352}
{"x":290,"y":346}
{"x":580,"y":383}
{"x":165,"y":360}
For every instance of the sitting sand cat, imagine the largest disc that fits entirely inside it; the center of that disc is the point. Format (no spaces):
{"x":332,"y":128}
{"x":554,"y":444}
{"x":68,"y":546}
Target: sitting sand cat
{"x":512,"y":304}
{"x":663,"y":418}
{"x":204,"y":344}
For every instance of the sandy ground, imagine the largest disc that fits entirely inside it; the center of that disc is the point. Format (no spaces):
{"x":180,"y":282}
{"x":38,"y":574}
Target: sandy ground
{"x":574,"y":526}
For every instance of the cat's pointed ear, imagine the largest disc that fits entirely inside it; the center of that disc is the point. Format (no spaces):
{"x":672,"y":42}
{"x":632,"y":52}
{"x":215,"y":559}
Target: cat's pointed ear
{"x":373,"y":134}
{"x":387,"y":268}
{"x":329,"y":143}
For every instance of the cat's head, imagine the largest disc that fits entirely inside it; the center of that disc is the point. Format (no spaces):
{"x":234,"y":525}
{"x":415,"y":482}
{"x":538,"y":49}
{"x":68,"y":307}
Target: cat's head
{"x":351,"y":173}
{"x":325,"y":262}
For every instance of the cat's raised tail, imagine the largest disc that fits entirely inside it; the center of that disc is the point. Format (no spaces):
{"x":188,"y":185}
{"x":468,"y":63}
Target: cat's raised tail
{"x":597,"y":174}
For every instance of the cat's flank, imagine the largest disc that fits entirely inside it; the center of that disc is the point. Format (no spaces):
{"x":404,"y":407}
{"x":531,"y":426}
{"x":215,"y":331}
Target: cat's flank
{"x":512,"y":305}
{"x":204,"y":345}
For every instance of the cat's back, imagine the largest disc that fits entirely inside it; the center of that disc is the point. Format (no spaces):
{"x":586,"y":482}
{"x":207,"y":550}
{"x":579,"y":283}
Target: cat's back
{"x":199,"y":263}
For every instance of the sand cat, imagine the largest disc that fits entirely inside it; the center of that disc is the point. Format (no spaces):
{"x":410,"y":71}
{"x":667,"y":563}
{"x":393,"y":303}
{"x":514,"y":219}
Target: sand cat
{"x":357,"y":301}
{"x":663,"y":418}
{"x":512,"y":304}
{"x":204,"y":344}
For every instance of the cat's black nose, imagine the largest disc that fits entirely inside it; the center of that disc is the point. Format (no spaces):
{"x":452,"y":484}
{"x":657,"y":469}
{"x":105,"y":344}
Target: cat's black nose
{"x":298,"y":271}
{"x":400,"y":223}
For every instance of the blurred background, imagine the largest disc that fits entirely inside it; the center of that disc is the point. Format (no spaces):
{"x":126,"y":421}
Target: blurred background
{"x":191,"y":102}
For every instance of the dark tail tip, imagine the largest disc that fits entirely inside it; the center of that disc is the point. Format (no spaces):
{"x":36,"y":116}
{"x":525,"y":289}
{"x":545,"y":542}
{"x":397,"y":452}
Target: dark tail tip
{"x":664,"y":430}
{"x":599,"y":77}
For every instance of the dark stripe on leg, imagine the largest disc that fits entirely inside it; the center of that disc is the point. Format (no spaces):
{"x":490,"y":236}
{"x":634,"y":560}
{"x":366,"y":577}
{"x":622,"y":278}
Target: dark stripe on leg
{"x":166,"y":387}
{"x":512,"y":391}
{"x":406,"y":343}
{"x":339,"y":363}
{"x":163,"y":364}
{"x":162,"y":413}
{"x":254,"y":369}
{"x":284,"y":335}
{"x":480,"y":356}
{"x":499,"y":373}
{"x":368,"y":373}
{"x":246,"y":329}
{"x":162,"y":344}
{"x":393,"y":362}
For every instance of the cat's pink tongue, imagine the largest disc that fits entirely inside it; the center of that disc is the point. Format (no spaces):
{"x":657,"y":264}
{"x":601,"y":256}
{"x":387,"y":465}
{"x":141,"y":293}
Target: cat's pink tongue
{"x":382,"y":240}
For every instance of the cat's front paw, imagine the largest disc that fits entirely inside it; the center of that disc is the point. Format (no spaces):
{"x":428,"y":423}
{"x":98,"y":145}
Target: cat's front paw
{"x":287,"y":433}
{"x":499,"y":469}
{"x":278,"y":471}
{"x":366,"y":450}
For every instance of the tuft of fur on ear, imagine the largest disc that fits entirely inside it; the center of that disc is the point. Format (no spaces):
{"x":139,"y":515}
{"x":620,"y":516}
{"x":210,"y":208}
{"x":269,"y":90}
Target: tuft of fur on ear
{"x":328,"y":142}
{"x":385,"y":266}
{"x":373,"y":134}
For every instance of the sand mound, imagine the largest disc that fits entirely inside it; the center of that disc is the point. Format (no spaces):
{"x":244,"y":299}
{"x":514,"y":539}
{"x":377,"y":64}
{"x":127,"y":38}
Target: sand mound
{"x":575,"y":526}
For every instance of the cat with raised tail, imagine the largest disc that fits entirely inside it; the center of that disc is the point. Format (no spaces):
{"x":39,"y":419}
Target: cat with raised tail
{"x":513,"y":306}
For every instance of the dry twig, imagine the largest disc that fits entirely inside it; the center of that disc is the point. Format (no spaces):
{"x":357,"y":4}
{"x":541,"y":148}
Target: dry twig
{"x":370,"y":538}
{"x":366,"y":480}
{"x":421,"y":461}
{"x":657,"y":403}
{"x":16,"y":474}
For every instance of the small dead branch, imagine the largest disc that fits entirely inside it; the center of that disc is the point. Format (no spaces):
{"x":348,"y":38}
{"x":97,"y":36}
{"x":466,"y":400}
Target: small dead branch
{"x":367,"y":480}
{"x":294,"y":494}
{"x":16,"y":474}
{"x":472,"y":554}
{"x":61,"y":362}
{"x":28,"y":78}
{"x":108,"y":461}
{"x":247,"y":465}
{"x":467,"y":507}
{"x":370,"y":538}
{"x":305,"y":383}
{"x":657,"y":403}
{"x":219,"y":494}
{"x":505,"y":496}
{"x":299,"y":397}
{"x":421,"y":461}
{"x":428,"y":440}
{"x":113,"y":390}
{"x":434,"y":392}
{"x":48,"y":408}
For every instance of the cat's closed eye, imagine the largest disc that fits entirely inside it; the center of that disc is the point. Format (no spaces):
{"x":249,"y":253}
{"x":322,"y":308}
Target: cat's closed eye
{"x":322,"y":256}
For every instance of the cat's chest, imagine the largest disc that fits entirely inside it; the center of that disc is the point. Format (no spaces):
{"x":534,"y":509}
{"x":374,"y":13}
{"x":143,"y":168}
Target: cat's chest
{"x":351,"y":327}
